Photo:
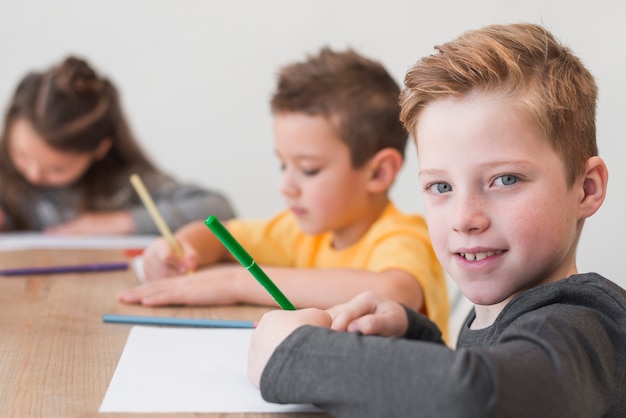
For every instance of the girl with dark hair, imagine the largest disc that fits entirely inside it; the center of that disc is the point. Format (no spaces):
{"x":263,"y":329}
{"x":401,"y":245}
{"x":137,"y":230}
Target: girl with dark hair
{"x":66,"y":154}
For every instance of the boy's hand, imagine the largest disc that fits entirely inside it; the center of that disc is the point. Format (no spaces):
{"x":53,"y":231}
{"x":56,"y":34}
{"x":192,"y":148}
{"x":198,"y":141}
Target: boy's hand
{"x":212,"y":286}
{"x":272,"y":329}
{"x":370,"y":314}
{"x":160,"y":261}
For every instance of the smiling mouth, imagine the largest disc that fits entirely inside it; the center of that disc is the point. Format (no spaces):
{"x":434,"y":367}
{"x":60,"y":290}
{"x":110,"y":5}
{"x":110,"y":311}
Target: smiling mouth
{"x":479,"y":256}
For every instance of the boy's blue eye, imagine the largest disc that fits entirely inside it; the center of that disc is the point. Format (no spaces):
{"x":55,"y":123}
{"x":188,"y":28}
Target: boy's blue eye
{"x":439,"y":188}
{"x":506,"y":180}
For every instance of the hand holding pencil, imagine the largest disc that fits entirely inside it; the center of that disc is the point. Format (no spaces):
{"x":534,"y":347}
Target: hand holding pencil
{"x":161,"y":262}
{"x":167,"y":257}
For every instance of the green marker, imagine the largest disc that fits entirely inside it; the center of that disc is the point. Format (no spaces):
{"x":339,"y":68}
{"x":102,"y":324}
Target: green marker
{"x":247,"y":261}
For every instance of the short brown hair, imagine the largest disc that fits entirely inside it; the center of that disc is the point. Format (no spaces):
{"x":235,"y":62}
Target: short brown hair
{"x":524,"y":62}
{"x":356,"y":94}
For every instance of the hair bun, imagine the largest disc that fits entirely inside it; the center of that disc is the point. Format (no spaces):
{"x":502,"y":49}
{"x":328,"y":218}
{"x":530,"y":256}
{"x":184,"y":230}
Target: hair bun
{"x":76,"y":77}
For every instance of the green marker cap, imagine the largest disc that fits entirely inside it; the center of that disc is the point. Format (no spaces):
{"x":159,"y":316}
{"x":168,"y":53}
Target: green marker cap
{"x":229,"y":241}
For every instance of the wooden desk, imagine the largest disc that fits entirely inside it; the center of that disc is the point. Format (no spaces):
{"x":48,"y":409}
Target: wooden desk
{"x":57,"y":357}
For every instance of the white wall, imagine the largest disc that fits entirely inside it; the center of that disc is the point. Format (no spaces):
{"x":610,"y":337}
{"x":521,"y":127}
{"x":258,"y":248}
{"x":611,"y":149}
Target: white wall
{"x":196,"y":77}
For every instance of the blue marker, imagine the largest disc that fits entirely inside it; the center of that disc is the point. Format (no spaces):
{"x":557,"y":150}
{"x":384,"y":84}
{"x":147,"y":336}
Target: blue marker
{"x":177,"y":322}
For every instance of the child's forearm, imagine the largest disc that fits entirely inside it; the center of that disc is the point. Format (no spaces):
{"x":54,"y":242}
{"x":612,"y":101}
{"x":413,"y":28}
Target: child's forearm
{"x":207,"y":246}
{"x":324,"y":288}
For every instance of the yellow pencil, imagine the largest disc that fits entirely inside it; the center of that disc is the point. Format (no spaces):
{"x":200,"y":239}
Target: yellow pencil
{"x":155,"y":214}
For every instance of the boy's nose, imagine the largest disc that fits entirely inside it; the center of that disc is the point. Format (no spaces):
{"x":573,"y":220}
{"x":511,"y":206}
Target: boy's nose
{"x":470,"y":215}
{"x":288,"y":187}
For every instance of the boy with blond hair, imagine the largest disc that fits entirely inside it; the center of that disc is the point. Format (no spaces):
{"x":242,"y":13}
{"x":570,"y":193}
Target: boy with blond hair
{"x":341,"y":144}
{"x":504,"y":122}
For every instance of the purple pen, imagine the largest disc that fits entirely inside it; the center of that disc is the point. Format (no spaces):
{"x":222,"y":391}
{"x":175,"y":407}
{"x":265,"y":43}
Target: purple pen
{"x":79,"y":268}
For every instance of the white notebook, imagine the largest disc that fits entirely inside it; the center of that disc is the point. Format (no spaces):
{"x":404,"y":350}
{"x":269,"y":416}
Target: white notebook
{"x":38,"y":240}
{"x":170,"y":369}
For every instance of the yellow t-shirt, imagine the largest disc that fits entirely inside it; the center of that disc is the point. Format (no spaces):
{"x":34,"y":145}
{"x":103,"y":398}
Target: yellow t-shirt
{"x":394,"y":241}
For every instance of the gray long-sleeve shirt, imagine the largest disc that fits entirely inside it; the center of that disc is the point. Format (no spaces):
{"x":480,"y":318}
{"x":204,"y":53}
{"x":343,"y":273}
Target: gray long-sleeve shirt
{"x":178,"y":203}
{"x":557,"y":350}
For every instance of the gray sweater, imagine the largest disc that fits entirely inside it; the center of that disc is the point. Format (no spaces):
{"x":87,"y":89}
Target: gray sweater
{"x":178,"y":203}
{"x":557,"y":350}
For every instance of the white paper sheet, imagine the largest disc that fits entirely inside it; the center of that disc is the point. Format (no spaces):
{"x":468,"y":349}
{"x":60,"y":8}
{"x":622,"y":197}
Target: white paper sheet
{"x":168,"y":369}
{"x":35,"y":240}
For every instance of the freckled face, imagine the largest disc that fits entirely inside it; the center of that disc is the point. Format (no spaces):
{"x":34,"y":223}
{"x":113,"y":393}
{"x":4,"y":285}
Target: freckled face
{"x":500,"y":213}
{"x":318,"y":181}
{"x":40,"y":164}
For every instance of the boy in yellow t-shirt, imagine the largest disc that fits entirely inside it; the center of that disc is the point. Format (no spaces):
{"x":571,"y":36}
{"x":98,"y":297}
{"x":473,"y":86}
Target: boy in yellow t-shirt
{"x":341,"y":144}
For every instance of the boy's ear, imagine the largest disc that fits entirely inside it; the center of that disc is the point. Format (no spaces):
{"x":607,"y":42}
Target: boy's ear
{"x":384,"y":168}
{"x":594,"y":187}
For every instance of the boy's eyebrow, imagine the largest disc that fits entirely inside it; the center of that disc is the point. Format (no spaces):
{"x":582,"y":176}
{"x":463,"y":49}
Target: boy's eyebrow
{"x":431,"y":172}
{"x":509,"y":164}
{"x":304,"y":156}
